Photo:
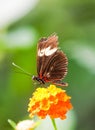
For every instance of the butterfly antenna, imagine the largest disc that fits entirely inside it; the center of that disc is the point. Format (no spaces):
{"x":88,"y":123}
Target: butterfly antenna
{"x":24,"y":72}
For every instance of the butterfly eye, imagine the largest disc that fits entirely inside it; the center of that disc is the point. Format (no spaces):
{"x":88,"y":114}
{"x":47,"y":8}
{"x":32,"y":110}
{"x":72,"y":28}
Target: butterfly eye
{"x":33,"y":77}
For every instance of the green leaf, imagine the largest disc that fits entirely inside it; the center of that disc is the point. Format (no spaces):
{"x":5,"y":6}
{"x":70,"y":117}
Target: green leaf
{"x":12,"y":123}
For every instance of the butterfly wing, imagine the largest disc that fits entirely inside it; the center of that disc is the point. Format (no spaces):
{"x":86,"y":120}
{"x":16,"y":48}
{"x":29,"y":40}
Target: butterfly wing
{"x":57,"y":66}
{"x":46,"y":48}
{"x":51,"y":62}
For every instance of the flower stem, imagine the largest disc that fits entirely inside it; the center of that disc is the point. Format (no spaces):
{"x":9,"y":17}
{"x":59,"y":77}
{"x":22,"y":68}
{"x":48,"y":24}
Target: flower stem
{"x":54,"y":124}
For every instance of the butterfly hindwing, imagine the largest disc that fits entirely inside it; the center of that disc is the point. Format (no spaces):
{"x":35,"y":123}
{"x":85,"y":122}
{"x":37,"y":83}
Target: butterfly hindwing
{"x":57,"y":67}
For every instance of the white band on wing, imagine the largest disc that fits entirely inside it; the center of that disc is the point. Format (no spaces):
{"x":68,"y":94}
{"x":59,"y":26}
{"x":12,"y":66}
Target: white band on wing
{"x":46,"y":51}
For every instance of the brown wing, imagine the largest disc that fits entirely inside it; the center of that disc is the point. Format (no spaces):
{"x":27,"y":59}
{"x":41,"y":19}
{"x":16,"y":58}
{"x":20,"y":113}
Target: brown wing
{"x":56,"y":68}
{"x":42,"y":58}
{"x":51,"y":62}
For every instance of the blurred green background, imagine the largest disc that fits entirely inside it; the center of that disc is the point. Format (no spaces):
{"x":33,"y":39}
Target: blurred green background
{"x":22,"y":24}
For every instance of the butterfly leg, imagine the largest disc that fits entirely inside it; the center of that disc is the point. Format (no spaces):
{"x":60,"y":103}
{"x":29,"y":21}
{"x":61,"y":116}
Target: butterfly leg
{"x":60,"y":83}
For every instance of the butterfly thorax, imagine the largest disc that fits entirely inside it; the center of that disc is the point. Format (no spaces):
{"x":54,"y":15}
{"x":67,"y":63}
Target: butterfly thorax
{"x":38,"y":79}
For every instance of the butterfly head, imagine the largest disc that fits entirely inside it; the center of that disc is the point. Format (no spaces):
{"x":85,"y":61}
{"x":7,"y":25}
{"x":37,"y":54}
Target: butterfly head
{"x":41,"y":81}
{"x":34,"y":77}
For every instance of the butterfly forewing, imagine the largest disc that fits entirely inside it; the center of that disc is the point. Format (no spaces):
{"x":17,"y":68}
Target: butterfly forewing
{"x":51,"y":62}
{"x":46,"y":48}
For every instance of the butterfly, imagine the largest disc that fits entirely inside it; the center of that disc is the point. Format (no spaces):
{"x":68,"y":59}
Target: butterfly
{"x":51,"y":62}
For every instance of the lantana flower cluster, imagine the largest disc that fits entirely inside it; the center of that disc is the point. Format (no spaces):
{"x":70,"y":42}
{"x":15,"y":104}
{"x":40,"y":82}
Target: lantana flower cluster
{"x":50,"y":101}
